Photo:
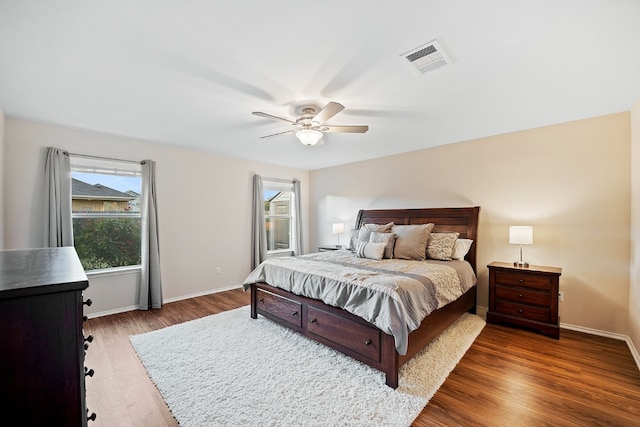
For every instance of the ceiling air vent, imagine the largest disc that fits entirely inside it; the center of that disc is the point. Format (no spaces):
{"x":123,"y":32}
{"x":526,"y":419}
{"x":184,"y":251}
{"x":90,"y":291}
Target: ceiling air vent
{"x":427,"y":57}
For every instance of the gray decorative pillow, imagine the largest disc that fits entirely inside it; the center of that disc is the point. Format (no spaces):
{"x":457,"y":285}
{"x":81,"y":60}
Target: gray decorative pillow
{"x":365,"y":232}
{"x":411,"y":241}
{"x":370,"y":250}
{"x":387,"y":238}
{"x":441,"y":245}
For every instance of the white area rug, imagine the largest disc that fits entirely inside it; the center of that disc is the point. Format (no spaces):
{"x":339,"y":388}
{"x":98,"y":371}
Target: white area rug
{"x":231,"y":370}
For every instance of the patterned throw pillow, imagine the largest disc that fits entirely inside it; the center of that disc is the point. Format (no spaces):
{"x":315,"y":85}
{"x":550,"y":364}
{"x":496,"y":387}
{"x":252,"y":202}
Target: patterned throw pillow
{"x":370,"y":250}
{"x":363,"y":234}
{"x":387,"y":238}
{"x":441,"y":245}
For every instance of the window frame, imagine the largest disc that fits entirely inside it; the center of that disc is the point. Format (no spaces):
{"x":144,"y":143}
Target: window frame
{"x":281,"y":186}
{"x":90,"y":165}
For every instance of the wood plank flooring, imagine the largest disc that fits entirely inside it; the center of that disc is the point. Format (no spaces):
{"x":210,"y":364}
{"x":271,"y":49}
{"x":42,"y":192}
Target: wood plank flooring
{"x":509,"y":377}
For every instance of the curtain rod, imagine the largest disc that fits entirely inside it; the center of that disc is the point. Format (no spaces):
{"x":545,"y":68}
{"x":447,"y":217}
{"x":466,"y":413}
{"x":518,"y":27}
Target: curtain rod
{"x":87,"y":156}
{"x":288,"y":181}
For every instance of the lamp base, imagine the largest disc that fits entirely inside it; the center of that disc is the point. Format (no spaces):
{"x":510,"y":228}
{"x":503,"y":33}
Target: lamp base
{"x":521,"y":264}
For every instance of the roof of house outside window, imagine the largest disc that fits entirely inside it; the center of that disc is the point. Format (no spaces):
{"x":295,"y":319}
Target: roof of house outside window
{"x":82,"y":190}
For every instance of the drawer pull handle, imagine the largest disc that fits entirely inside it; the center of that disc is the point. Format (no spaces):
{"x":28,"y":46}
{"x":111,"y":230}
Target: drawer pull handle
{"x":314,"y":320}
{"x":88,"y":302}
{"x":89,"y":338}
{"x":91,"y":417}
{"x":367,"y":342}
{"x":260,"y":299}
{"x":295,"y":313}
{"x":88,"y":372}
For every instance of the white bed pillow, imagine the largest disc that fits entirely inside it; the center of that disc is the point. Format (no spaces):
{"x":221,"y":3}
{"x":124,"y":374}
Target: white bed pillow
{"x":370,"y":250}
{"x":461,"y":248}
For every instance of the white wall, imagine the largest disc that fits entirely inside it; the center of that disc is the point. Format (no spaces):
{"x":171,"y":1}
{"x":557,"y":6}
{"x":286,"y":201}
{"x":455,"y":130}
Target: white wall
{"x":634,"y":288}
{"x":570,"y":181}
{"x":204,"y":208}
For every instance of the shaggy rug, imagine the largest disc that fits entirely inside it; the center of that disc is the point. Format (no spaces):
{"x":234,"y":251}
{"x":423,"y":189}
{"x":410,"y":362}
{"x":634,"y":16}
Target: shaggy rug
{"x":229,"y":369}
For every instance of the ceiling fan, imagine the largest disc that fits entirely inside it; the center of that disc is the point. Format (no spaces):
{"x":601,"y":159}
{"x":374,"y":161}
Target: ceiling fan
{"x":310,"y":125}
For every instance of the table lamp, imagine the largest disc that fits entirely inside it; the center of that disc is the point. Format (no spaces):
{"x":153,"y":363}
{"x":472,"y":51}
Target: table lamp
{"x":337,"y":228}
{"x":521,"y":235}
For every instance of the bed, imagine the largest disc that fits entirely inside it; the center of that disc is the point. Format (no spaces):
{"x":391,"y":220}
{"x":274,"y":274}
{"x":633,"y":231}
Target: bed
{"x":335,"y":325}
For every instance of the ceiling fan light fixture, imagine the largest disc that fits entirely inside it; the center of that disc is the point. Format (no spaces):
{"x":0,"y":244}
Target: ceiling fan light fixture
{"x":309,"y":137}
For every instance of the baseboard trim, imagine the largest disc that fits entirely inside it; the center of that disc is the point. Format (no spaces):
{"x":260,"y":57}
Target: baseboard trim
{"x":625,"y":338}
{"x":167,"y":300}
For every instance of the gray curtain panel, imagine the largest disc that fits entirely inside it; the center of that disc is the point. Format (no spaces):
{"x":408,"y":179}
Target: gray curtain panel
{"x":150,"y":281}
{"x":58,"y":226}
{"x":258,"y":230}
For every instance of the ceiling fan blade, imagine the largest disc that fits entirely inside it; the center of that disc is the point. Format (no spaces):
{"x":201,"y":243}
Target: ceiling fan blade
{"x":272,"y":117}
{"x":279,"y":133}
{"x":329,"y":110}
{"x":347,"y":129}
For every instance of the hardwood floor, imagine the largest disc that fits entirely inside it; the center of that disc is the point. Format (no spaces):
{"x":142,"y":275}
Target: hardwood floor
{"x":509,"y":377}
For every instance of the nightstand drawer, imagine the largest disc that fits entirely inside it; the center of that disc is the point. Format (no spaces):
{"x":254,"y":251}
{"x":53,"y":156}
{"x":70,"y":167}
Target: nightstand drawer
{"x":523,"y":295}
{"x":523,"y":279}
{"x":524,"y":311}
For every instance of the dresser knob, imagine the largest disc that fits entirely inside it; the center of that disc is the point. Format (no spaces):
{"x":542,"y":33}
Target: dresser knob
{"x":520,"y":280}
{"x":88,"y":302}
{"x":88,"y":372}
{"x":519,"y":295}
{"x":85,"y":318}
{"x":520,"y":311}
{"x":86,"y":346}
{"x":314,"y":320}
{"x":91,"y":417}
{"x":89,"y":338}
{"x":294,"y":313}
{"x":367,"y":342}
{"x":260,"y":299}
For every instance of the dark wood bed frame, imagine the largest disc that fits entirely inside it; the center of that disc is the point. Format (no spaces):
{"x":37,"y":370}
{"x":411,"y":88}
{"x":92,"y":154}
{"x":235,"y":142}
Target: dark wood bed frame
{"x":354,"y":336}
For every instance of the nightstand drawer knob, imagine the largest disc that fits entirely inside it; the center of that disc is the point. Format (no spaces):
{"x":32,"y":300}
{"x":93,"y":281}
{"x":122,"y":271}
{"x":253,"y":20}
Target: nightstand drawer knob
{"x":520,"y":280}
{"x":519,"y":295}
{"x":520,"y":311}
{"x":294,"y":313}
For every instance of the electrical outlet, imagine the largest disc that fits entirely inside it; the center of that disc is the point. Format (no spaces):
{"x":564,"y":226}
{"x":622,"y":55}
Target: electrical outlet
{"x":560,"y":296}
{"x":217,"y":270}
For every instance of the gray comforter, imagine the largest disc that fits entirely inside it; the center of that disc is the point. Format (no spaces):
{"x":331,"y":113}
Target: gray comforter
{"x":395,"y":295}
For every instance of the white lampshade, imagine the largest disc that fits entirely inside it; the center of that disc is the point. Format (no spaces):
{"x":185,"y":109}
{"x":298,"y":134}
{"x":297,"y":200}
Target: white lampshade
{"x":521,"y":234}
{"x":309,"y":136}
{"x":337,"y":228}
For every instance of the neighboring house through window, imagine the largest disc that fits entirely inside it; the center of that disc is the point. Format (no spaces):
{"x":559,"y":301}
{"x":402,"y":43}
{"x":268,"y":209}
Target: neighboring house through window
{"x":278,"y":213}
{"x":105,"y":208}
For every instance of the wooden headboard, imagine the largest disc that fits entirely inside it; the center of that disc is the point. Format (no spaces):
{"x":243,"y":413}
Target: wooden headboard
{"x":461,"y":220}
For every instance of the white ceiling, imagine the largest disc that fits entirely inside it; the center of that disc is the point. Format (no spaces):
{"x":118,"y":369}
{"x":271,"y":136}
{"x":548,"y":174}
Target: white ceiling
{"x":190,"y":72}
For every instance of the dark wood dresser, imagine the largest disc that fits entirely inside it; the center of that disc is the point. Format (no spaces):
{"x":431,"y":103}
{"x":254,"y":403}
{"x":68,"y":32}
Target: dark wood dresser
{"x":525,"y":296}
{"x":42,"y":373}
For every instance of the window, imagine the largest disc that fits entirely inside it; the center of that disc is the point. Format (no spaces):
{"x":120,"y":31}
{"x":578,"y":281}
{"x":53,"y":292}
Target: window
{"x":105,"y":209}
{"x":278,"y":214}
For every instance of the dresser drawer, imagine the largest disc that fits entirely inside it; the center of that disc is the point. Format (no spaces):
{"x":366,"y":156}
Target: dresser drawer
{"x":523,"y":295}
{"x":523,"y":280}
{"x":523,"y":311}
{"x":361,"y":338}
{"x":280,"y":307}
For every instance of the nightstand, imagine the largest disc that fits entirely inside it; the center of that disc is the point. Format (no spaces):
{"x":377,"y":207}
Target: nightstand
{"x":526,"y":297}
{"x":325,"y":248}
